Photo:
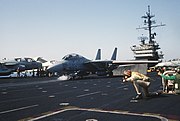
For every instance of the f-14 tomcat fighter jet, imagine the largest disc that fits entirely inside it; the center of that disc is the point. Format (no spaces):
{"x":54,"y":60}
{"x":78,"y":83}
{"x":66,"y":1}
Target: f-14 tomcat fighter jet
{"x":75,"y":65}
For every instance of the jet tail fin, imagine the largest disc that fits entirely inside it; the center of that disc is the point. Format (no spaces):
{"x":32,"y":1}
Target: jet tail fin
{"x":40,"y":59}
{"x":98,"y":55}
{"x":114,"y":55}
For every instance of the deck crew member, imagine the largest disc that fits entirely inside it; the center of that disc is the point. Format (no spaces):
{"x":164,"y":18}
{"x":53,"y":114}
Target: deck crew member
{"x":138,"y":80}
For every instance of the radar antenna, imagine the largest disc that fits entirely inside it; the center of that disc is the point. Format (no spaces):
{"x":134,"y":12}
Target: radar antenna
{"x":149,"y":25}
{"x":142,"y":39}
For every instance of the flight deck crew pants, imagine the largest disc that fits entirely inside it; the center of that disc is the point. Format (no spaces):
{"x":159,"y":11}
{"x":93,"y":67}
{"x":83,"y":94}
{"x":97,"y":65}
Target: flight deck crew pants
{"x":142,"y":83}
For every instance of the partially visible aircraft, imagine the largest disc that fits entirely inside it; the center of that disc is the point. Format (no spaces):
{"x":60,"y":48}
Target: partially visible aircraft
{"x":4,"y":71}
{"x":21,"y":64}
{"x":45,"y":63}
{"x":171,"y":63}
{"x":75,"y":65}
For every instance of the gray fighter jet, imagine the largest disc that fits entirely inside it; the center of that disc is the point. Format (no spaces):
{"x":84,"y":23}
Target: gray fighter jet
{"x":21,"y":64}
{"x":75,"y":65}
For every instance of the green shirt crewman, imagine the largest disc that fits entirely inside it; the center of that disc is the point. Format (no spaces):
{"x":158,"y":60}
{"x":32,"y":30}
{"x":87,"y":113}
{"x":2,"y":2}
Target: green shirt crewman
{"x":176,"y":79}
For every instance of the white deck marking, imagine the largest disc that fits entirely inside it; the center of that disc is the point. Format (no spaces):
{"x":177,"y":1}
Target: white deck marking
{"x":18,"y":109}
{"x":91,"y":120}
{"x":101,"y":111}
{"x":134,"y":101}
{"x":64,"y":104}
{"x":125,"y":88}
{"x":88,"y":94}
{"x":52,"y":96}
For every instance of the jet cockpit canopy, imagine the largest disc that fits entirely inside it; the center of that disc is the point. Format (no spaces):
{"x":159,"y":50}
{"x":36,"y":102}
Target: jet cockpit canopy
{"x":71,"y":56}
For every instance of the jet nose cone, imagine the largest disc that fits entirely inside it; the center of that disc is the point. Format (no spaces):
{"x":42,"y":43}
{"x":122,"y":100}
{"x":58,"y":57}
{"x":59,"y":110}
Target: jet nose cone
{"x":56,"y":68}
{"x":50,"y":68}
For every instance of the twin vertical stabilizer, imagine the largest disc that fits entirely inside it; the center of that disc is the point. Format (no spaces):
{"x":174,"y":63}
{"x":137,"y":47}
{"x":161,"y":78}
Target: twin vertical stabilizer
{"x":114,"y":55}
{"x":98,"y":56}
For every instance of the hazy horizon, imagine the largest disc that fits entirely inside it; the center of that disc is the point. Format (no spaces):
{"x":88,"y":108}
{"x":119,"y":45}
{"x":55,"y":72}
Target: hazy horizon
{"x":54,"y":28}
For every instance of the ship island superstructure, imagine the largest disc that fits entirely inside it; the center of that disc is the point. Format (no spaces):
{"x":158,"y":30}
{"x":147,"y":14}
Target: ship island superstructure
{"x":148,"y":50}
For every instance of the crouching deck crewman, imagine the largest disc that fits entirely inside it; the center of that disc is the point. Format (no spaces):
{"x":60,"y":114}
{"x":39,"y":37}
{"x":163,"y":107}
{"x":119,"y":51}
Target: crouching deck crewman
{"x":139,"y":80}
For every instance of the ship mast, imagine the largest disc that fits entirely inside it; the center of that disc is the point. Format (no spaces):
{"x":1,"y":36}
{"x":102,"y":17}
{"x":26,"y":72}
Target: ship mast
{"x":149,"y":50}
{"x":149,"y":25}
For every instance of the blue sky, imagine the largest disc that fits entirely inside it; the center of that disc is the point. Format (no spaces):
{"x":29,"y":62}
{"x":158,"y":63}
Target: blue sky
{"x":54,"y":28}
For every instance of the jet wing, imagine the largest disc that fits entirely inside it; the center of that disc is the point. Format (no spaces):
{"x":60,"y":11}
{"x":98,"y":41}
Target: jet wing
{"x":100,"y":61}
{"x":98,"y":64}
{"x":119,"y":62}
{"x":10,"y":63}
{"x":133,"y":62}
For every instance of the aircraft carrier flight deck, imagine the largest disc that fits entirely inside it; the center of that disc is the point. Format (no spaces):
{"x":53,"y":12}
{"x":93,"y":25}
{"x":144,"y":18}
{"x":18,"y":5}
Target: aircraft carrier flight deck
{"x":89,"y":99}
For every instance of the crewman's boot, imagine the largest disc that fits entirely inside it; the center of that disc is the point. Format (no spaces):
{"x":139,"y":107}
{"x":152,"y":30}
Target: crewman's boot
{"x":138,"y":96}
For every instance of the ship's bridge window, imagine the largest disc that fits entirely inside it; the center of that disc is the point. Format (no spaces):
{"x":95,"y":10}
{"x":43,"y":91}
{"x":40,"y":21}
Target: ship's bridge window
{"x":70,"y":56}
